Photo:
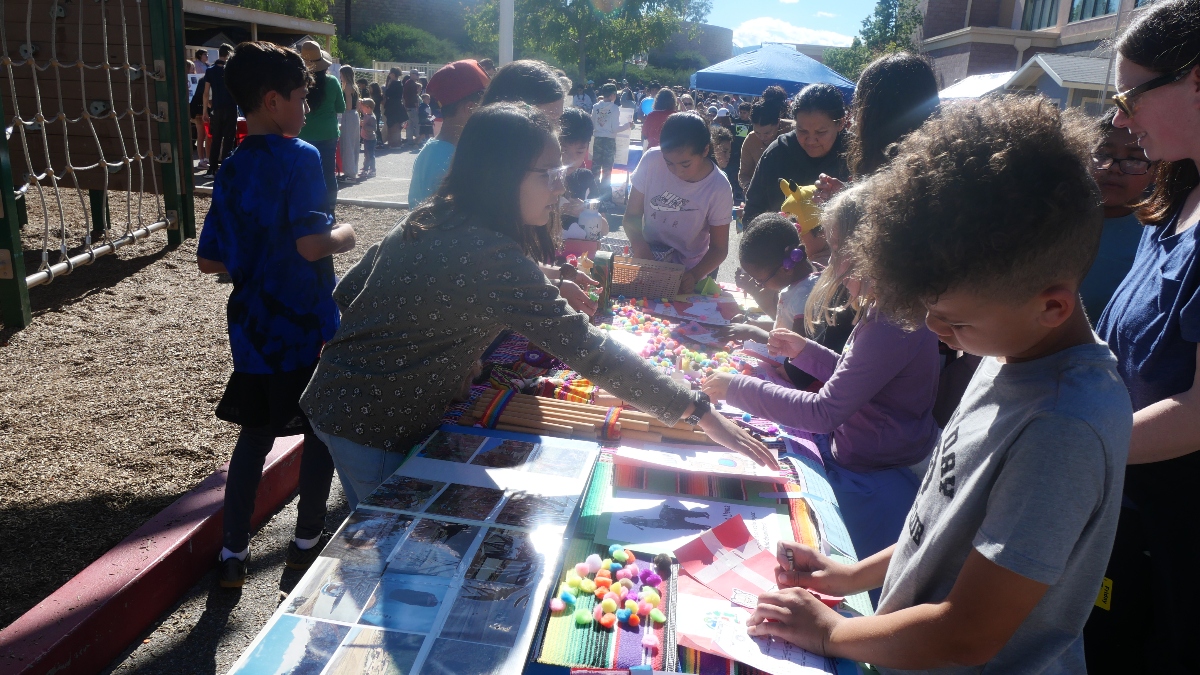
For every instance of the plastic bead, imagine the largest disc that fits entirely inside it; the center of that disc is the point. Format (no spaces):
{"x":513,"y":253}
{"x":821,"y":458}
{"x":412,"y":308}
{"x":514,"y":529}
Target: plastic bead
{"x":609,"y":605}
{"x":657,"y":616}
{"x":557,"y":605}
{"x":582,"y":617}
{"x":593,"y":563}
{"x":608,"y":620}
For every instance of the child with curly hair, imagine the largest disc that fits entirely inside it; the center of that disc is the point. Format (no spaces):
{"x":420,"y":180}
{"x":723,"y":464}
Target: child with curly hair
{"x":981,"y":228}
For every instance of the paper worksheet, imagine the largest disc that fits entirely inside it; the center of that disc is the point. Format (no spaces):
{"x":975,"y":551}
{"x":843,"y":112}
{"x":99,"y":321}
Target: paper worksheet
{"x":703,"y":459}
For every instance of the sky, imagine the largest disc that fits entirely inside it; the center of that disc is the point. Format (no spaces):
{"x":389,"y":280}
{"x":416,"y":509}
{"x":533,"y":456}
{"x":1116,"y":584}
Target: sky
{"x":808,"y":21}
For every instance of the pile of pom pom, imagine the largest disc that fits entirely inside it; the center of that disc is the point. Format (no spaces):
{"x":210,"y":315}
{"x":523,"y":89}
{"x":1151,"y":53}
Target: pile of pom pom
{"x":625,"y":590}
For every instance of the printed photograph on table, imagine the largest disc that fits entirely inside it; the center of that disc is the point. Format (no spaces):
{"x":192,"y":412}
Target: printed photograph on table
{"x":563,"y":460}
{"x":293,"y":646}
{"x":468,"y":502}
{"x":650,"y":523}
{"x":434,"y":548}
{"x":524,"y":509}
{"x":508,"y":557}
{"x":505,"y":455}
{"x":332,"y":590}
{"x":487,"y":612}
{"x":370,"y":651}
{"x":453,"y":657}
{"x":368,"y":538}
{"x":406,"y":602}
{"x":403,"y":493}
{"x":451,"y":447}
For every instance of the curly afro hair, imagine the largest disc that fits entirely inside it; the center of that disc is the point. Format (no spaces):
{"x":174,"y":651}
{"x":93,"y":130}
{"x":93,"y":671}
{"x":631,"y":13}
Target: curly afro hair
{"x":993,"y":196}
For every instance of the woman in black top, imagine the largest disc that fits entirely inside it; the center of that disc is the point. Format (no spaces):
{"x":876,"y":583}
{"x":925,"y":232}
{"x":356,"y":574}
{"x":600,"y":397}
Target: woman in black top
{"x":816,"y":146}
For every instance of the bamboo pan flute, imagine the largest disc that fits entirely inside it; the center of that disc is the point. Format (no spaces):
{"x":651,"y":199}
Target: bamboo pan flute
{"x":568,"y":419}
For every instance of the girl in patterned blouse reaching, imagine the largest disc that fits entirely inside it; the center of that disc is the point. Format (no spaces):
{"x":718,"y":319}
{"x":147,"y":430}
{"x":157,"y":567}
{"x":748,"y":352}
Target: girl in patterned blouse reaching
{"x":422,"y":306}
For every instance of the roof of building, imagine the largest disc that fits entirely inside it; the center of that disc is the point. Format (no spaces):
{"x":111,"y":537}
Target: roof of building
{"x":1071,"y":72}
{"x":976,"y":85}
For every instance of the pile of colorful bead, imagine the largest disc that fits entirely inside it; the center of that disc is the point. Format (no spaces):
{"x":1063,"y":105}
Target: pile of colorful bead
{"x":625,"y":591}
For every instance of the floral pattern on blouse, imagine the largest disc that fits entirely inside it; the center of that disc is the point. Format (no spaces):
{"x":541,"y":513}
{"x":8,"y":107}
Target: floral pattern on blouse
{"x":416,"y":314}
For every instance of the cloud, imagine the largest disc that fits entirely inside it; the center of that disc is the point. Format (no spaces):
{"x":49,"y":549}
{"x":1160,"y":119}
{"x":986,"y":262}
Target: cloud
{"x":768,"y":29}
{"x":826,"y":15}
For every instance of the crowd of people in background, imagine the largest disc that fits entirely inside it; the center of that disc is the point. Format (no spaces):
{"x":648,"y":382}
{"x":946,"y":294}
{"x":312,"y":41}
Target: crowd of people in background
{"x":989,"y":311}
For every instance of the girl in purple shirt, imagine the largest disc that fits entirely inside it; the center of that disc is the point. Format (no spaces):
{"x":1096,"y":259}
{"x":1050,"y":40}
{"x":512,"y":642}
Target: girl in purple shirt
{"x":873,"y":417}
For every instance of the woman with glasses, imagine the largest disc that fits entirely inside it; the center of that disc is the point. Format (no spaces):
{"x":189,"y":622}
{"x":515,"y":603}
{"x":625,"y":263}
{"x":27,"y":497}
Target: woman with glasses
{"x":1123,"y":174}
{"x":1152,"y":325}
{"x":421,"y":307}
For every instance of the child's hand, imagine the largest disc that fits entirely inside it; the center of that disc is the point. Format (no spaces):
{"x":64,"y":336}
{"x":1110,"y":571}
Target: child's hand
{"x":687,"y":283}
{"x":576,"y":298}
{"x":717,"y":385}
{"x":805,"y":567}
{"x":741,"y":332}
{"x":730,"y":435}
{"x":795,"y":615}
{"x":827,"y":187}
{"x":583,"y":280}
{"x":783,"y":342}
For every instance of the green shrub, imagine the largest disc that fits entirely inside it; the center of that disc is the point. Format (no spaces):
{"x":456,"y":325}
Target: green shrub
{"x":396,"y":42}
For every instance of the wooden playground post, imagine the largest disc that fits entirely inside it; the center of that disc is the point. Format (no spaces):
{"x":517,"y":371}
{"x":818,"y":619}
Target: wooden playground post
{"x":14,"y":296}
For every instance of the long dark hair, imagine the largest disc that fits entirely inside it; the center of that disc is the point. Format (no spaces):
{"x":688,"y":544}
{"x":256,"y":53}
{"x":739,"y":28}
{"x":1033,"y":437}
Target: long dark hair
{"x":895,"y":95}
{"x":316,"y":92}
{"x":499,"y":145}
{"x":528,"y":81}
{"x":1165,"y":38}
{"x":687,"y":130}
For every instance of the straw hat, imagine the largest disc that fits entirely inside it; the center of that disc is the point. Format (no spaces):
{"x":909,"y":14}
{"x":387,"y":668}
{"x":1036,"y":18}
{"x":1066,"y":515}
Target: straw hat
{"x":315,"y":58}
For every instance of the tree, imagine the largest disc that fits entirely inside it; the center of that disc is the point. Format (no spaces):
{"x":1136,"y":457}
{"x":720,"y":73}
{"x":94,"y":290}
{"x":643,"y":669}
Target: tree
{"x":891,"y":27}
{"x":586,"y":31}
{"x":315,"y":10}
{"x":395,"y":42}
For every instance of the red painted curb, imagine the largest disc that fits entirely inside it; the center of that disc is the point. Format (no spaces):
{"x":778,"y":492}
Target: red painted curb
{"x":94,"y":617}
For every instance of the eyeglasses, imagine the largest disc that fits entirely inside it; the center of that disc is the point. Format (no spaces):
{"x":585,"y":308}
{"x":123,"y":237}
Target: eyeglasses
{"x":1129,"y":167}
{"x":555,"y":178}
{"x":1124,"y":99}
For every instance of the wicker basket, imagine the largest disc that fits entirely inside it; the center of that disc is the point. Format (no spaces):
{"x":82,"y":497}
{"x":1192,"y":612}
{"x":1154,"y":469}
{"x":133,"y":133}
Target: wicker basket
{"x":637,"y":278}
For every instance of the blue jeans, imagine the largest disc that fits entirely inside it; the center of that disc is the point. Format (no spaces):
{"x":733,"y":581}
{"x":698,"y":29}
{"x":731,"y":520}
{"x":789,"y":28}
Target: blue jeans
{"x":361,"y":468}
{"x":874,"y":504}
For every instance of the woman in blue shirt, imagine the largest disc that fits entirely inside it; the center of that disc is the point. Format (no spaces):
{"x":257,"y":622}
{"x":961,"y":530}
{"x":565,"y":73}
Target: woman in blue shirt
{"x":1153,"y":327}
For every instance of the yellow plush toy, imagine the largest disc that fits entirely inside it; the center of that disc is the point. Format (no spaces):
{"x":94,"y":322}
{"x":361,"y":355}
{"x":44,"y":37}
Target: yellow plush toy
{"x":798,"y":202}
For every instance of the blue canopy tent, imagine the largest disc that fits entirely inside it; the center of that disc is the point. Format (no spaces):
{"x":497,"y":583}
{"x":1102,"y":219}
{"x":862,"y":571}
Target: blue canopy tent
{"x":750,"y":73}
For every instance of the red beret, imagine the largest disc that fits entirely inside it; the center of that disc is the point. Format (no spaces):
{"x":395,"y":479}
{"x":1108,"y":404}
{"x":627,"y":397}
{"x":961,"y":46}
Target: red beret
{"x":456,"y":81}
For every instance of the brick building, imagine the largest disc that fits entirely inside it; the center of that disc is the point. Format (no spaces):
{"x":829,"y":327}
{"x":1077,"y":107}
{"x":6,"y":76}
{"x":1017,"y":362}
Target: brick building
{"x":966,"y":38}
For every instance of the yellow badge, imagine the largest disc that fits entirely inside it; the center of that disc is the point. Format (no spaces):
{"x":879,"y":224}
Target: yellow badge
{"x":1104,"y":598}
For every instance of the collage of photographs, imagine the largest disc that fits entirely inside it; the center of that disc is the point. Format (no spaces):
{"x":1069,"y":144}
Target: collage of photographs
{"x":427,"y":576}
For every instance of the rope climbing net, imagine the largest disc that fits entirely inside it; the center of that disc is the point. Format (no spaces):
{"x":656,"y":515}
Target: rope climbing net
{"x":82,"y":118}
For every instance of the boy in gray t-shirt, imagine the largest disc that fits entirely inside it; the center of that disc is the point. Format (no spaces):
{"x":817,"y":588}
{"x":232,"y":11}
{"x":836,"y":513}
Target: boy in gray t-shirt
{"x":982,"y":227}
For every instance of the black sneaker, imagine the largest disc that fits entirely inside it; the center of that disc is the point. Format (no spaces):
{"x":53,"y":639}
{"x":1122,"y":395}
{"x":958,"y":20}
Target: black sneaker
{"x":232,"y":573}
{"x":301,"y":559}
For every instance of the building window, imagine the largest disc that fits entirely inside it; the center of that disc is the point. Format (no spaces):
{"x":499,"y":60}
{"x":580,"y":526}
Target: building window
{"x":1039,"y":14}
{"x":1090,"y":9}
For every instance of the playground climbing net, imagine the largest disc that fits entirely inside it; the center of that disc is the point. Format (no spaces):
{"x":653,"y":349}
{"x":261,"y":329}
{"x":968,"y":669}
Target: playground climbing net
{"x":82,"y":118}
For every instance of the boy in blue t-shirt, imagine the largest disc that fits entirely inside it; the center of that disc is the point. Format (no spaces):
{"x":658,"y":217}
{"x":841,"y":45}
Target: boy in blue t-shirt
{"x":268,"y":230}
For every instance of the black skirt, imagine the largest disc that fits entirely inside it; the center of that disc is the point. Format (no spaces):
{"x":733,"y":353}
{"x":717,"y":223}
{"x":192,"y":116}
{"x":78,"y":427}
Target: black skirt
{"x":273,"y":401}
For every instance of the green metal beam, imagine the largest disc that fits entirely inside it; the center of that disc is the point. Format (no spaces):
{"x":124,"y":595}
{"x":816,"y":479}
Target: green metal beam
{"x":14,"y":296}
{"x":176,"y":156}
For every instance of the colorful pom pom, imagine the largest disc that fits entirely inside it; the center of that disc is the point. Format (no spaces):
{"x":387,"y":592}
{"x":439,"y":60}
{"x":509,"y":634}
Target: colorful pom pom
{"x":568,"y":598}
{"x":603,"y":582}
{"x":653,"y":580}
{"x":582,"y":569}
{"x":644,"y":608}
{"x":631,"y":605}
{"x":657,"y":616}
{"x":650,"y":640}
{"x":621,"y":556}
{"x":609,"y":605}
{"x":634,"y":620}
{"x":615,"y":567}
{"x":608,"y":620}
{"x":623,"y":615}
{"x":587,"y":586}
{"x":599,"y":613}
{"x":606,"y":564}
{"x":593,"y":563}
{"x":582,"y":617}
{"x":557,"y":605}
{"x":614,"y":548}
